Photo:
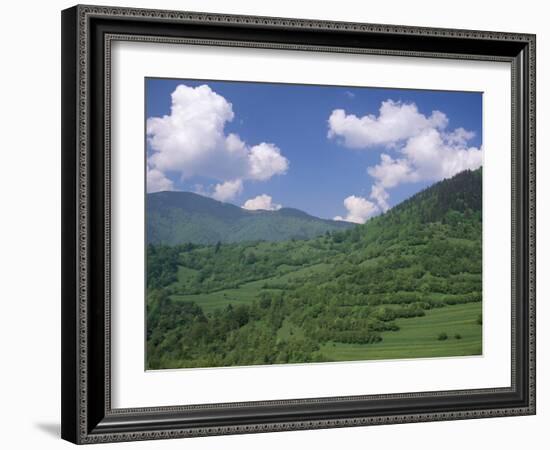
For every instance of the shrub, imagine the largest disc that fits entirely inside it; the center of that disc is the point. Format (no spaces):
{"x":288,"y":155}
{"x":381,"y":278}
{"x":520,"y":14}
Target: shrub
{"x":442,"y":336}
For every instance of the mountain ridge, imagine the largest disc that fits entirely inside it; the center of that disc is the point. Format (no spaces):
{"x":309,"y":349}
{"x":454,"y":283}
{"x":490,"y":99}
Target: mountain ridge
{"x":176,"y":217}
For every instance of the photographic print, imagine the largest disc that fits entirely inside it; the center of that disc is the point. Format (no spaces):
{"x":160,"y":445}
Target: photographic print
{"x":293,"y":224}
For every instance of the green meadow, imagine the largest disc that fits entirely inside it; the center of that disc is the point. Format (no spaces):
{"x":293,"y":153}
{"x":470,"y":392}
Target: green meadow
{"x":418,"y":337}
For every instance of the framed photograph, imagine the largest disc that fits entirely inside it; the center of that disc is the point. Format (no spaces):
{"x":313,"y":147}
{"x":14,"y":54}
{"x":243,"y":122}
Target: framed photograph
{"x":279,"y":224}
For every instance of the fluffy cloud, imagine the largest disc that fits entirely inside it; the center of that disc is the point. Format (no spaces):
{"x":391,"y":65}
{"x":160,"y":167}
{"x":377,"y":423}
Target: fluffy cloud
{"x":156,"y":181}
{"x":391,"y":172}
{"x":430,"y":156}
{"x":191,"y":141}
{"x":460,"y":136}
{"x":359,"y":209}
{"x":227,"y":190}
{"x":435,"y":155}
{"x":263,"y":201}
{"x":265,"y":160}
{"x":380,"y":196}
{"x":395,"y":122}
{"x":426,"y":150}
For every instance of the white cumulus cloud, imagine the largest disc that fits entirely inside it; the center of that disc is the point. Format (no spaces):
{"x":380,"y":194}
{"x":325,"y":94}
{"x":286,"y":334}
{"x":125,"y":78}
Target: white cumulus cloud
{"x":265,"y":160}
{"x":424,"y":149}
{"x":227,"y":190}
{"x":156,"y":181}
{"x":380,"y":196}
{"x":191,"y":141}
{"x":359,"y":209}
{"x":391,"y":172}
{"x":460,"y":136}
{"x":435,"y":155}
{"x":263,"y":201}
{"x":395,"y":122}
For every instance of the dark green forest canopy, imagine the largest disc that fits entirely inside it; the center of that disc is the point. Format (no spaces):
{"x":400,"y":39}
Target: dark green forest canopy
{"x":303,"y":300}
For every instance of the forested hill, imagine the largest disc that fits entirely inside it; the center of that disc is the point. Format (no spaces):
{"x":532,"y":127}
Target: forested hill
{"x":461,"y":194}
{"x":183,"y":217}
{"x":345,"y":295}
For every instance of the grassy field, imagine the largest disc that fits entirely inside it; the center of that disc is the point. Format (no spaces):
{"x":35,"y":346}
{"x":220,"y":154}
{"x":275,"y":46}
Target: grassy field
{"x":418,"y":337}
{"x":215,"y":300}
{"x":247,"y":292}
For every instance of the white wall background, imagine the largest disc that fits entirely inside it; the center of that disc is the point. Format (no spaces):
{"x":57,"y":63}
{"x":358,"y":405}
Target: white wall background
{"x":30,"y":223}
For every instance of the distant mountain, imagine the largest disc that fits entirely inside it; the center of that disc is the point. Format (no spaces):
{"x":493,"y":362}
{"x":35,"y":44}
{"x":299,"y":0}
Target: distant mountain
{"x":179,"y":217}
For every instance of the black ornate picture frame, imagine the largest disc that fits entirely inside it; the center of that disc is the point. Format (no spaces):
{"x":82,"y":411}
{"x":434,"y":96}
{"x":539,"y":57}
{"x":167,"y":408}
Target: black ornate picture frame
{"x":87,"y":35}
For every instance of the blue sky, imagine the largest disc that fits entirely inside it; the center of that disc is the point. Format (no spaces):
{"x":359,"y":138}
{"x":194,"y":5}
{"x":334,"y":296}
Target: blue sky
{"x":325,"y":144}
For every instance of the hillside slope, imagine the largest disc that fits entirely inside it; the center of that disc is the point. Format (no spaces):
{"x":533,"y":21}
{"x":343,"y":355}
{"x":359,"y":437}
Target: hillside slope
{"x":363,"y":293}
